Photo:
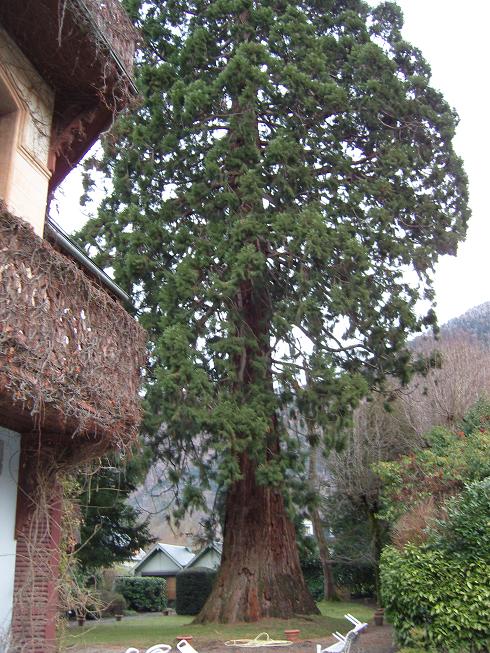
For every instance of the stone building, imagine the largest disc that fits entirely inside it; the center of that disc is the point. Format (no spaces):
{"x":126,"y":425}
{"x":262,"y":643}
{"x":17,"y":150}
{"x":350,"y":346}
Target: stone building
{"x":70,"y":354}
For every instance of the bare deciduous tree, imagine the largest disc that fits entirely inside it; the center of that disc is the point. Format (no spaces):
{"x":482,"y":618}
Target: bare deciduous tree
{"x":444,"y":396}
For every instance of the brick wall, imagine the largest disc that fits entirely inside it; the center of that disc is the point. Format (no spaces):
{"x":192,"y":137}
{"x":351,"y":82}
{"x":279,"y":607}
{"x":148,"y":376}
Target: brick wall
{"x":38,"y":536}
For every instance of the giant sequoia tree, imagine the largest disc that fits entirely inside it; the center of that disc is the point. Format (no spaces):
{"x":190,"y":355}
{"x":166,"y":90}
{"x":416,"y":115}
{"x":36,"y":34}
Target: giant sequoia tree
{"x":288,"y":165}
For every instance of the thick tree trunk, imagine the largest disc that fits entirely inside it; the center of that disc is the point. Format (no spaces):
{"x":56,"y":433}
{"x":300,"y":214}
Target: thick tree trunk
{"x":260,"y":574}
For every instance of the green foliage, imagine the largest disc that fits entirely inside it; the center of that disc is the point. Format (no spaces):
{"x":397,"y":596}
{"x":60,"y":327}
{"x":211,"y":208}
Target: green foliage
{"x":112,"y":603}
{"x":310,"y":564}
{"x":433,"y":600}
{"x":451,"y":459}
{"x":348,"y":517}
{"x":438,"y":593}
{"x":111,"y":530}
{"x":465,"y":532}
{"x":287,"y":164}
{"x":147,"y":594}
{"x":358,"y":578}
{"x":193,"y":588}
{"x":314,"y":582}
{"x":477,"y":418}
{"x":351,"y":541}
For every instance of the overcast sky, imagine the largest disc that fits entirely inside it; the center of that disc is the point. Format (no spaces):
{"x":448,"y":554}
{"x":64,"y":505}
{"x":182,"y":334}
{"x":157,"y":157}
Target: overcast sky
{"x":453,"y":37}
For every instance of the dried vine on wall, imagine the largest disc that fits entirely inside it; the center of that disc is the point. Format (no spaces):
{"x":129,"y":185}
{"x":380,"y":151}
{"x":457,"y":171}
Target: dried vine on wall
{"x":113,"y":36}
{"x":69,"y":352}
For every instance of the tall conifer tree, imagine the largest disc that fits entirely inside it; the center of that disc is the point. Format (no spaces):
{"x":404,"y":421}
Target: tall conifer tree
{"x":287,"y":168}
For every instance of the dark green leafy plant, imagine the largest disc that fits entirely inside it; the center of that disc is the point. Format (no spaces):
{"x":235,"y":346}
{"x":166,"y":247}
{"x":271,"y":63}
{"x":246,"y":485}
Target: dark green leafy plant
{"x":143,"y":594}
{"x":193,"y":587}
{"x":288,"y":164}
{"x":112,"y":603}
{"x":310,"y":562}
{"x":442,"y":589}
{"x":451,"y":459}
{"x":435,"y":599}
{"x":437,"y":593}
{"x":465,"y":532}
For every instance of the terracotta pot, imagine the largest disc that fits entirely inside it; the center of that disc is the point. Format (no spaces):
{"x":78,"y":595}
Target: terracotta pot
{"x":188,"y":638}
{"x":292,"y":635}
{"x":379,"y":617}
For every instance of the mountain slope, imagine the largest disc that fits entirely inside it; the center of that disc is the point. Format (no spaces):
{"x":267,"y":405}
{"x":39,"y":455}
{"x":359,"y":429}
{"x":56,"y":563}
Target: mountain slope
{"x":475,"y":321}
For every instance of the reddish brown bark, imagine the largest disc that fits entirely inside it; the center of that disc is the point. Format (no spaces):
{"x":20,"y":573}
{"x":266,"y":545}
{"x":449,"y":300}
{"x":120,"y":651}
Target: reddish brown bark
{"x":260,"y":574}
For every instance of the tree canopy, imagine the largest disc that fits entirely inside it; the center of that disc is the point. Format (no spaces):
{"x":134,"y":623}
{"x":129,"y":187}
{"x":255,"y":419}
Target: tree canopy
{"x":111,"y":530}
{"x":279,"y":200}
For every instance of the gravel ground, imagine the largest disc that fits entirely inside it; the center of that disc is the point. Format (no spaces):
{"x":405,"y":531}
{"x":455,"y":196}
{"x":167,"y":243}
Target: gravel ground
{"x":374,"y":640}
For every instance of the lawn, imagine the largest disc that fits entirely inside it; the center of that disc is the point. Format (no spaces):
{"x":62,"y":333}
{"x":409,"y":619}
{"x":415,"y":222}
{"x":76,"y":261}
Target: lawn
{"x":144,"y":630}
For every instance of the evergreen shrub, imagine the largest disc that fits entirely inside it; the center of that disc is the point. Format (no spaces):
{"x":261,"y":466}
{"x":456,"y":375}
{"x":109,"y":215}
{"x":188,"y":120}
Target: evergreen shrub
{"x":193,"y":588}
{"x":357,"y":578}
{"x":112,"y":603}
{"x":437,"y":594}
{"x":312,"y":572}
{"x":433,"y":597}
{"x":145,"y":594}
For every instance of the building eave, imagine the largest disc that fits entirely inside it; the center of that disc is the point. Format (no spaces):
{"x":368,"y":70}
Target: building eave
{"x":55,"y":234}
{"x":86,"y":61}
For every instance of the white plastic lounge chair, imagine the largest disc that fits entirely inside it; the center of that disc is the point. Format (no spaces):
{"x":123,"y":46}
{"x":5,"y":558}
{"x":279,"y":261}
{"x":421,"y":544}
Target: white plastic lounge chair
{"x":358,"y":625}
{"x":156,"y":648}
{"x":344,"y":642}
{"x":185,"y":647}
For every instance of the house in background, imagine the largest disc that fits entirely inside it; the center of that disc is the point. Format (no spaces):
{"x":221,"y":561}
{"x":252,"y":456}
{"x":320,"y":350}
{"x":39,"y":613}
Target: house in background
{"x":70,"y":354}
{"x":167,"y":560}
{"x":209,"y":557}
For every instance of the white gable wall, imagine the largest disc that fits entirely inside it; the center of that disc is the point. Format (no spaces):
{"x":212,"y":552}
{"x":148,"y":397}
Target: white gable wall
{"x":158,"y":562}
{"x":211,"y":559}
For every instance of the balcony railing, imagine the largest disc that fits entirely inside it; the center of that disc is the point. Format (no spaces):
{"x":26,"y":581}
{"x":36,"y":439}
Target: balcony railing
{"x":114,"y":26}
{"x":70,"y":355}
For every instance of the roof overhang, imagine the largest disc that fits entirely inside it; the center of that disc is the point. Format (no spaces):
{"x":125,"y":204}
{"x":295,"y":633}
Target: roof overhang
{"x":57,"y":237}
{"x":84,"y":51}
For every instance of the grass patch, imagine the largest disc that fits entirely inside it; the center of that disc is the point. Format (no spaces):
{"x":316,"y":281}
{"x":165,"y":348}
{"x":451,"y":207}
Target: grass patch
{"x":145,"y":630}
{"x":337,"y":609}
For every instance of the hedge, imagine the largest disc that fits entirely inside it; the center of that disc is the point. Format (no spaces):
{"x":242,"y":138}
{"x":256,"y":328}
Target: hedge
{"x":147,"y":593}
{"x":435,"y":600}
{"x":193,"y":586}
